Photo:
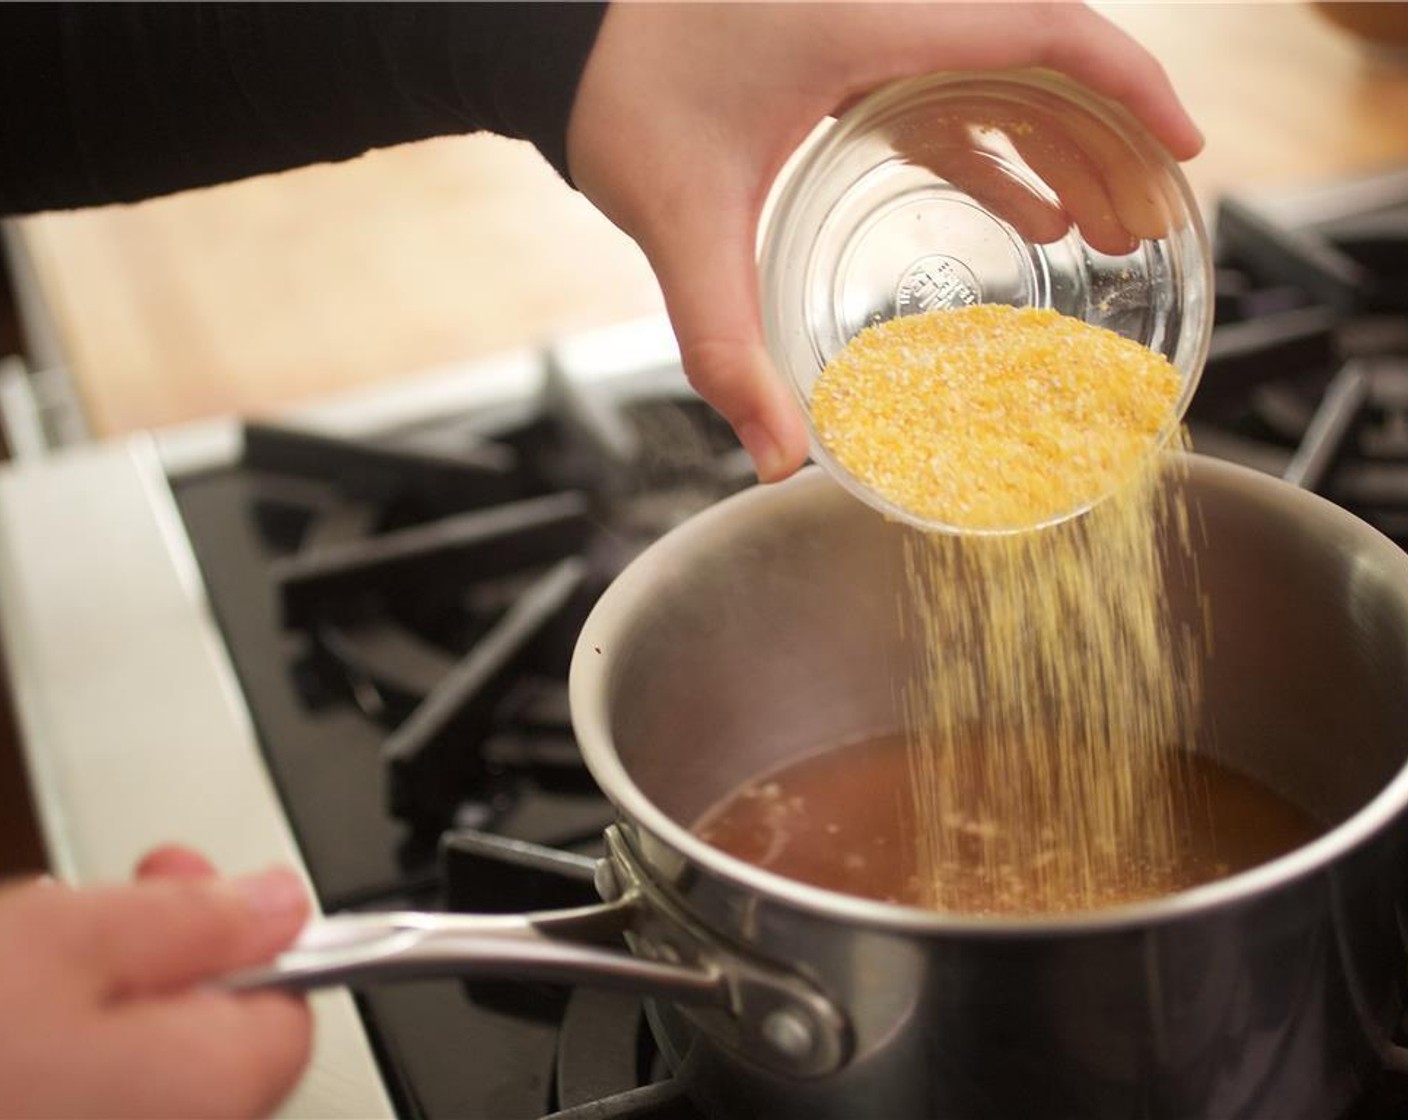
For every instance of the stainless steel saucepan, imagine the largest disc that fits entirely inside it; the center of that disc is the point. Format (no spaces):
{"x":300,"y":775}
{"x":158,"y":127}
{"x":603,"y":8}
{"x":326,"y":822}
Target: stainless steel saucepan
{"x":765,"y":628}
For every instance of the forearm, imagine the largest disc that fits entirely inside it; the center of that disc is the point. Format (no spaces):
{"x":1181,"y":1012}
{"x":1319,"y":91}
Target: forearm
{"x":116,"y":102}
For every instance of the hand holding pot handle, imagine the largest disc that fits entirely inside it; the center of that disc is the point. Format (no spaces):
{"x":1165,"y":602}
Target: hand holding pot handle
{"x":765,"y":1011}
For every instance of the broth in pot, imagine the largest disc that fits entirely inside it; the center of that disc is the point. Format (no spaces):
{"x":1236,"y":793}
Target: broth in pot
{"x":843,"y":819}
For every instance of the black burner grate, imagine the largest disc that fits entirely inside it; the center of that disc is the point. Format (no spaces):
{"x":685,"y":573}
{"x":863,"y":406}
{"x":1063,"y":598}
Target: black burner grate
{"x":1307,"y":375}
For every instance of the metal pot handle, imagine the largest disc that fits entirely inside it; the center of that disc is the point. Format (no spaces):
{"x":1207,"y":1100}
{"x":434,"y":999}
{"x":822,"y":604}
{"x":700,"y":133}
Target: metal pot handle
{"x":552,"y":946}
{"x":775,"y":1017}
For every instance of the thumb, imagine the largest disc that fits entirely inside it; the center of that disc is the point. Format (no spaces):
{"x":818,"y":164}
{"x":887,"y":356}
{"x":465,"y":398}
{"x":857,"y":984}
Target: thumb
{"x":706,"y":271}
{"x":162,"y":934}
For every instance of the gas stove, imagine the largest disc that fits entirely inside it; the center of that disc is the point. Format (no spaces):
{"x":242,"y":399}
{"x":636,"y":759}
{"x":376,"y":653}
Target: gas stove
{"x":342,"y":638}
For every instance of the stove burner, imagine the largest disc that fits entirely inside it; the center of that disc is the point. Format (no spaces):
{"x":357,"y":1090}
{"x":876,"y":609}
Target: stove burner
{"x":607,"y":1066}
{"x":660,"y":1101}
{"x":482,"y":545}
{"x":602,"y":1051}
{"x":430,"y":599}
{"x":1247,"y":353}
{"x":489,"y":874}
{"x":474,"y":475}
{"x":1302,"y":258}
{"x":429,"y":754}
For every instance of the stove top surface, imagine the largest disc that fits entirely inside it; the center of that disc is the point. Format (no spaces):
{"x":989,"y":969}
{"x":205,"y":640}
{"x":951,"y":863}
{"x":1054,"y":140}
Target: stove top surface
{"x":401,"y":611}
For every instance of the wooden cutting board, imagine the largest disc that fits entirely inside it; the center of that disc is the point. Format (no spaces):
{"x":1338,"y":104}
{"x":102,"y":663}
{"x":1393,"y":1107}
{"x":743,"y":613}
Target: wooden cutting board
{"x":252,"y":296}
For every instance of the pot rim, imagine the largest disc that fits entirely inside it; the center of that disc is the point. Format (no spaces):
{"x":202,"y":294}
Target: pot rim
{"x":588,"y":692}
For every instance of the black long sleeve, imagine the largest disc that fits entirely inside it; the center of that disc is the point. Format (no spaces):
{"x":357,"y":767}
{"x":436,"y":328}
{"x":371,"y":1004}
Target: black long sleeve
{"x":116,"y":102}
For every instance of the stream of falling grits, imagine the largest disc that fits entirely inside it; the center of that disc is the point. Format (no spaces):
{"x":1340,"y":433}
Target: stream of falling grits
{"x":1054,"y":689}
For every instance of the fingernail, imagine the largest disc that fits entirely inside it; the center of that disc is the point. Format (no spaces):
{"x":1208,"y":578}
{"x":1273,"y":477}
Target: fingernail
{"x":1200,"y":140}
{"x":273,"y":893}
{"x":758,"y":442}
